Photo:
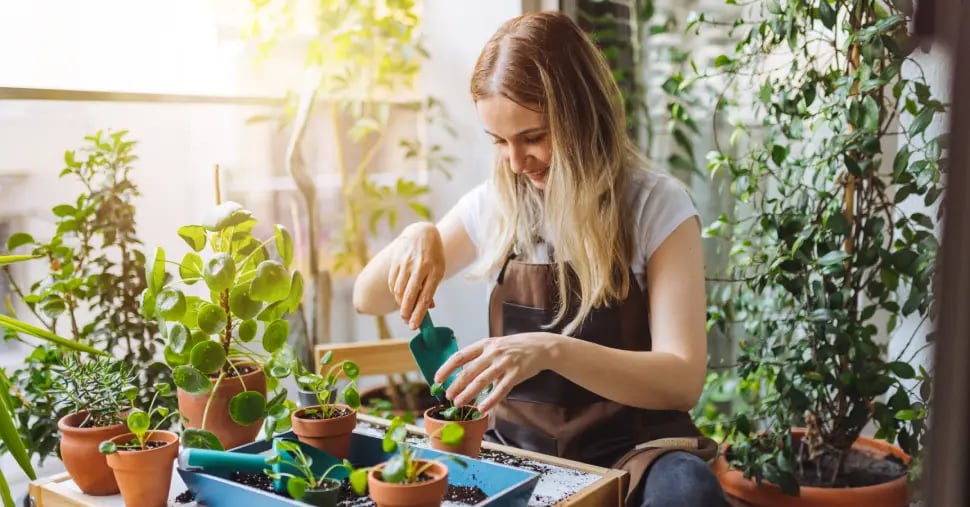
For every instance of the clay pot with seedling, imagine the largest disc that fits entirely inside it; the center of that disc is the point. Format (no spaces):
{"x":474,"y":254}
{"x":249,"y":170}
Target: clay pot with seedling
{"x":471,"y":420}
{"x":222,"y":381}
{"x":142,"y":459}
{"x":328,"y":426}
{"x":406,"y":480}
{"x":307,"y":487}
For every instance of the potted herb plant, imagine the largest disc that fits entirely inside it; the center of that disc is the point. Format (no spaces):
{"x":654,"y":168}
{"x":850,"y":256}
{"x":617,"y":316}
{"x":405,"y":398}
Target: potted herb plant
{"x":471,"y":420}
{"x":328,"y":426}
{"x":222,"y":381}
{"x":142,"y":459}
{"x":832,"y":246}
{"x":406,"y":480}
{"x":307,"y":487}
{"x":98,"y":407}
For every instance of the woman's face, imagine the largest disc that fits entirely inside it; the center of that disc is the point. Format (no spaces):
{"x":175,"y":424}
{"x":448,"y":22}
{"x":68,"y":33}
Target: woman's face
{"x":521,"y":136}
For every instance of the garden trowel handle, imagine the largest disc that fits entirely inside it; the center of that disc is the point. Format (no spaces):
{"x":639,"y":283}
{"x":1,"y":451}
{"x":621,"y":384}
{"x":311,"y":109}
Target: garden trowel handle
{"x":209,"y":460}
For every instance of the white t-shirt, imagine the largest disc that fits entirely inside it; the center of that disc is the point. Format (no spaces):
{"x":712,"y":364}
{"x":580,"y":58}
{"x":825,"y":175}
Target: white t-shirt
{"x":659,"y":204}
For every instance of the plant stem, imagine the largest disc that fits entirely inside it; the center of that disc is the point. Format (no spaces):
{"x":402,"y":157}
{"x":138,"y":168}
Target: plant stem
{"x":212,"y":394}
{"x":227,"y":336}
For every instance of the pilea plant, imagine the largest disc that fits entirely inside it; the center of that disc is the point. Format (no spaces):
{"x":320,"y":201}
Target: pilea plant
{"x":451,"y":412}
{"x":244,"y":294}
{"x":102,"y":387}
{"x":298,"y":486}
{"x":140,"y":421}
{"x":405,"y":467}
{"x":326,"y":389}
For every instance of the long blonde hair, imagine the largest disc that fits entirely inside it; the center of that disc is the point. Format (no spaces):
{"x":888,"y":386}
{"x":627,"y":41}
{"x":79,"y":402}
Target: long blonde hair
{"x":545,"y":62}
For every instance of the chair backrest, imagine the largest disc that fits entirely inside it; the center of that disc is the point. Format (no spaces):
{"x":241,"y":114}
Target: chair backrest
{"x":381,"y":357}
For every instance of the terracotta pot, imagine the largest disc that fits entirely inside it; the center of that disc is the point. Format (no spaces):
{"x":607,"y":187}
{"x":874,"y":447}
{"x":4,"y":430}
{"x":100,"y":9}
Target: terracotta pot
{"x":894,"y":493}
{"x":144,"y":477}
{"x":230,"y":434}
{"x":79,"y":451}
{"x":329,"y":435}
{"x":471,"y":443}
{"x":423,"y":494}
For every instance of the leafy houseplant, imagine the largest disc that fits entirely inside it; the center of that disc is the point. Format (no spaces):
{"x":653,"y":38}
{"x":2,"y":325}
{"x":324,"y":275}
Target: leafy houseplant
{"x":97,"y":392}
{"x":222,"y":382}
{"x":468,"y":417}
{"x":142,"y":459}
{"x":328,"y":426}
{"x":89,"y":291}
{"x":834,"y":248}
{"x":308,"y":487}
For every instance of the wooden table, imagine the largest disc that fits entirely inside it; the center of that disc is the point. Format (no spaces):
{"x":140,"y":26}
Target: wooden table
{"x":59,"y":491}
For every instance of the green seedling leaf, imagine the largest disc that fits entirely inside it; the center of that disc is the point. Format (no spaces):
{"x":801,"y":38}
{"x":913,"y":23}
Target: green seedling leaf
{"x":190,"y":268}
{"x":358,"y":481}
{"x":219,"y":272}
{"x":437,"y":389}
{"x":138,"y":422}
{"x":351,"y":370}
{"x":247,"y":407}
{"x":208,"y":356}
{"x":352,"y":397}
{"x":451,"y":434}
{"x":296,"y":487}
{"x":191,"y":380}
{"x":395,"y":470}
{"x":271,"y":284}
{"x":107,"y":447}
{"x":274,"y":336}
{"x":200,"y":439}
{"x":247,"y":330}
{"x":212,"y":318}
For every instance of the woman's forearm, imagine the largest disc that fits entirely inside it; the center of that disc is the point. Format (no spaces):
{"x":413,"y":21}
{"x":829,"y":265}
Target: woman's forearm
{"x":371,"y":293}
{"x":651,"y":380}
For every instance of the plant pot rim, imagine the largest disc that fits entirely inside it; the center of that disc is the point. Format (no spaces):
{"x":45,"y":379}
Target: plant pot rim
{"x":63,"y":425}
{"x":257,"y":368}
{"x":373,"y":473}
{"x":302,"y":410}
{"x":121,"y":438}
{"x":336,"y":485}
{"x":427,"y":413}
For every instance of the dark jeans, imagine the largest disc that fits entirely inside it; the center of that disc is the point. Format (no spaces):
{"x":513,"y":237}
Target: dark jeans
{"x":679,"y":479}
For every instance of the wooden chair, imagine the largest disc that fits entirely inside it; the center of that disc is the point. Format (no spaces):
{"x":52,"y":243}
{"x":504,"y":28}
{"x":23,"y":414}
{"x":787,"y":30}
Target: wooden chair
{"x":381,"y":357}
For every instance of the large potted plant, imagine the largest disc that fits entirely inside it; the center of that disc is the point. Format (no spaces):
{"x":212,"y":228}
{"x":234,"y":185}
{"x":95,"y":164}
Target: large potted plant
{"x":832,"y":247}
{"x":244,"y":294}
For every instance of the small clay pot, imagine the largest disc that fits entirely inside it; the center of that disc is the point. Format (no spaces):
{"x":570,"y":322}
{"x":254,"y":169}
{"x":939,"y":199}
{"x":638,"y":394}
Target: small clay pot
{"x":423,"y":494}
{"x":219,"y":422}
{"x":332,"y":436}
{"x":144,"y":476}
{"x":79,"y":451}
{"x":471,"y":443}
{"x":325,"y":496}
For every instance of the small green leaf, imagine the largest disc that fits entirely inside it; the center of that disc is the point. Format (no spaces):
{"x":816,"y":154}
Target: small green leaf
{"x":721,"y":61}
{"x":247,"y":330}
{"x":437,"y":389}
{"x":219,"y":272}
{"x":138,"y":422}
{"x":826,"y":13}
{"x":422,"y":211}
{"x":64,"y":210}
{"x":226,"y":215}
{"x":902,"y":370}
{"x":921,"y":121}
{"x":833,"y":257}
{"x":178,"y":337}
{"x":247,"y":407}
{"x":147,"y":304}
{"x":271,"y":284}
{"x":296,"y":292}
{"x":275,"y":334}
{"x":906,"y":415}
{"x":208,"y":356}
{"x":174,"y":359}
{"x":170,"y":304}
{"x":194,"y":236}
{"x":157,"y":269}
{"x":352,"y":397}
{"x":240,"y":303}
{"x":19,"y":239}
{"x":351,"y":369}
{"x":395,"y":470}
{"x":284,"y":245}
{"x":451,"y":434}
{"x":296,"y":487}
{"x":358,"y":481}
{"x":200,"y":439}
{"x":326,"y":358}
{"x":212,"y":318}
{"x":191,"y":267}
{"x":107,"y":447}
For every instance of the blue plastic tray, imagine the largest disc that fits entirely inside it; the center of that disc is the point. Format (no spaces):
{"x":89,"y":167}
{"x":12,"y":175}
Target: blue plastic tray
{"x":505,"y":486}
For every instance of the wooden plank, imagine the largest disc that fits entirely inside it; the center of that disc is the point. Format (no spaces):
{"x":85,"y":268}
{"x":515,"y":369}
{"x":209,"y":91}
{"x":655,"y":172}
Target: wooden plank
{"x":49,"y":492}
{"x":608,"y":490}
{"x":374,"y":358}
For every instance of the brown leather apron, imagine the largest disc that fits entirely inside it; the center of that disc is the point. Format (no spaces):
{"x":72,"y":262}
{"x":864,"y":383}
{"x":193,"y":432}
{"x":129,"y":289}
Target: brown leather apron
{"x":552,"y":415}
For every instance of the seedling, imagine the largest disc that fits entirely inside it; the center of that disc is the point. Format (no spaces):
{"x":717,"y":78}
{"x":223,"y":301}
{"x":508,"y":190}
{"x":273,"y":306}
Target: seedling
{"x":139,"y":422}
{"x":298,"y":486}
{"x":325,"y":387}
{"x":453,"y":413}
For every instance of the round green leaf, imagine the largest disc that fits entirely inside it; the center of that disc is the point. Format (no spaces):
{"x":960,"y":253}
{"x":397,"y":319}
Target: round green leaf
{"x":170,"y":304}
{"x":18,"y":239}
{"x":351,"y":369}
{"x":208,"y":356}
{"x":274,"y":336}
{"x":212,"y":318}
{"x":451,"y":434}
{"x":138,"y":422}
{"x":226,"y":214}
{"x":219,"y":272}
{"x":130,"y":392}
{"x":272,"y":312}
{"x":155,"y":271}
{"x":191,"y":267}
{"x":358,"y":481}
{"x":191,"y":380}
{"x":147,"y":304}
{"x":247,"y":330}
{"x":194,"y":236}
{"x":271,"y":284}
{"x":296,"y":292}
{"x":107,"y":447}
{"x":326,"y":358}
{"x":200,"y":439}
{"x":284,"y":244}
{"x":394,"y":470}
{"x":279,"y":411}
{"x":296,"y":487}
{"x":247,"y":407}
{"x":162,"y":388}
{"x":437,"y":389}
{"x":352,"y":397}
{"x":241,"y":305}
{"x":178,"y":337}
{"x":173,"y":358}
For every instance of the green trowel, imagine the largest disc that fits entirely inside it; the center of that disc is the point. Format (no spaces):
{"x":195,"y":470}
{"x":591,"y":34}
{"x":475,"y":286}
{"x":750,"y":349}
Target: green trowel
{"x":431,"y":348}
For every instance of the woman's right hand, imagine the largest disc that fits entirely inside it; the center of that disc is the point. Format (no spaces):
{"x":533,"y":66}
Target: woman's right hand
{"x":417,"y":265}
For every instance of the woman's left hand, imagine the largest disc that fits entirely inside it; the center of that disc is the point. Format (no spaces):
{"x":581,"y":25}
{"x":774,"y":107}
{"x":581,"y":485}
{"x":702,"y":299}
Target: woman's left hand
{"x":505,"y":360}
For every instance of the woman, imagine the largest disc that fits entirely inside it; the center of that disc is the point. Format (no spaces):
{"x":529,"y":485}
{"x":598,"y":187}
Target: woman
{"x":575,"y":237}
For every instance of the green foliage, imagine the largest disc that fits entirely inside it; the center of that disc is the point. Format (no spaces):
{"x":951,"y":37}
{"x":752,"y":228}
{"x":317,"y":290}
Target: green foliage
{"x":207,"y":330}
{"x":325,"y":386}
{"x":298,"y":485}
{"x":827,"y":249}
{"x":102,"y":387}
{"x":140,"y":422}
{"x":95,"y":275}
{"x":451,"y":412}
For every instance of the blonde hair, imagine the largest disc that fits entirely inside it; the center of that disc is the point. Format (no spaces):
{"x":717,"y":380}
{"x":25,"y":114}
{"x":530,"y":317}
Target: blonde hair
{"x":545,"y":62}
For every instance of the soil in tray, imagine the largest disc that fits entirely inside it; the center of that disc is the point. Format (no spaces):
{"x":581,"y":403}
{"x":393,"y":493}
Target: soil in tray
{"x":337,"y":412}
{"x":463,"y":495}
